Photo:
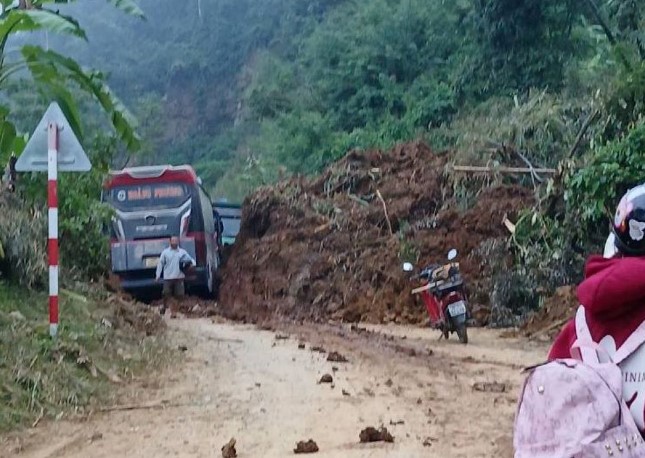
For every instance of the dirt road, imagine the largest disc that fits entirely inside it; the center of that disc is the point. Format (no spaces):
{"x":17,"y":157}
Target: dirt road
{"x":238,"y":381}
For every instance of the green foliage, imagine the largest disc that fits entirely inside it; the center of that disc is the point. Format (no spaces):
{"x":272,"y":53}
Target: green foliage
{"x":300,"y":140}
{"x":274,"y":88}
{"x":84,"y":218}
{"x":408,"y":251}
{"x":541,"y":126}
{"x":245,"y":176}
{"x":149,"y":112}
{"x":625,"y":102}
{"x":361,"y":59}
{"x":522,"y":45}
{"x":544,"y":253}
{"x":369,"y":75}
{"x":595,"y":189}
{"x":630,"y":21}
{"x":55,"y":72}
{"x":23,"y":237}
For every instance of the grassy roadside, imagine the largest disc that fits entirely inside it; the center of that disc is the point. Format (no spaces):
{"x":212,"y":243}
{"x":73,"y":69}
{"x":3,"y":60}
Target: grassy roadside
{"x":102,"y":343}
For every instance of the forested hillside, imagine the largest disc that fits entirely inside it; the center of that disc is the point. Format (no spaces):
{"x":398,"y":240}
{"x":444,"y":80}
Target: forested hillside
{"x":250,"y":89}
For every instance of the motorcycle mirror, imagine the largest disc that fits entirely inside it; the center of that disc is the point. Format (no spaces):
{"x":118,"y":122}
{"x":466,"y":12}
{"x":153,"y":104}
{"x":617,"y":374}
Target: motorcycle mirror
{"x":407,"y":267}
{"x":452,"y":254}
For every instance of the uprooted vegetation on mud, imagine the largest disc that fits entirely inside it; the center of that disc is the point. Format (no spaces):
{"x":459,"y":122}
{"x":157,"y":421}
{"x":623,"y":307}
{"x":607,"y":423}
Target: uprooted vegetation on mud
{"x":102,"y":342}
{"x":331,"y":246}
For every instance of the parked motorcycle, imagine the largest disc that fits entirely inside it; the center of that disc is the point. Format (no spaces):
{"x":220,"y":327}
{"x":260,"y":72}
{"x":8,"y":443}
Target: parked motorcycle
{"x":444,"y":297}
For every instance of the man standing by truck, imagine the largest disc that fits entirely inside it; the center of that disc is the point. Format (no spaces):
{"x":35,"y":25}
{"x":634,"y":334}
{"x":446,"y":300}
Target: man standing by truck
{"x":173,"y":262}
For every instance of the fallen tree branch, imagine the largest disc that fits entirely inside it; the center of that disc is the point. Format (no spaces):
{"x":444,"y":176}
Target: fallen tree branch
{"x":550,"y":328}
{"x":506,"y":149}
{"x":153,"y":405}
{"x":535,"y":176}
{"x":387,"y":217}
{"x":583,"y":130}
{"x":556,"y":195}
{"x":164,"y":404}
{"x":479,"y":169}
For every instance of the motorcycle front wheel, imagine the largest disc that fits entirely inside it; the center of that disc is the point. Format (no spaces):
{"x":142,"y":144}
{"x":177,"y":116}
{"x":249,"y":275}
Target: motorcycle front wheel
{"x":462,"y":333}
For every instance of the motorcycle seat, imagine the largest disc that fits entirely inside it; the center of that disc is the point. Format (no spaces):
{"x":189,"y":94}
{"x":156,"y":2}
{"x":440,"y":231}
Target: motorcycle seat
{"x":446,"y":287}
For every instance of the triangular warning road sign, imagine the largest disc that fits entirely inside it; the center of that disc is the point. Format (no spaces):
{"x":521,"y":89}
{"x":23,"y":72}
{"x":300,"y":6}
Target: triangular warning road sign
{"x":71,"y":156}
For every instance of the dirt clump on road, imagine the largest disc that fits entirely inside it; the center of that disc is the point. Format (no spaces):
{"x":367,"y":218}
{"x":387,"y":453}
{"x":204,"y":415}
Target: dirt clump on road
{"x":336,"y":357}
{"x":228,"y":451}
{"x":371,"y":434}
{"x":306,"y":447}
{"x":326,"y":379}
{"x":490,"y":387}
{"x":547,"y":322}
{"x":332,"y":246}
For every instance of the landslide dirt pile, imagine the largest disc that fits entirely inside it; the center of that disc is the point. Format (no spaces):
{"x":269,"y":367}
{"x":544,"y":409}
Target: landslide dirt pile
{"x":547,"y":322}
{"x":329,"y":248}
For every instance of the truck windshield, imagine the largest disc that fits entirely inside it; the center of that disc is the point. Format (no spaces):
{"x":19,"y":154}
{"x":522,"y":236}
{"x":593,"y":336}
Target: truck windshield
{"x":231,"y":226}
{"x":149,"y":196}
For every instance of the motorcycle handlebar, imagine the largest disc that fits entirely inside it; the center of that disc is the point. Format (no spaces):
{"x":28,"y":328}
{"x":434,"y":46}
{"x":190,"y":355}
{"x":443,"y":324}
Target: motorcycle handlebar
{"x":422,"y":274}
{"x":428,"y":270}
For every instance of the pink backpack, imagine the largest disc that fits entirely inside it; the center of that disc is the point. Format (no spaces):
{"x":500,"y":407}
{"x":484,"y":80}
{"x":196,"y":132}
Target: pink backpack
{"x":572,"y":408}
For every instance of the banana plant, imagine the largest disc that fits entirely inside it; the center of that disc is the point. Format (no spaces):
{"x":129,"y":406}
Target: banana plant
{"x":56,"y":74}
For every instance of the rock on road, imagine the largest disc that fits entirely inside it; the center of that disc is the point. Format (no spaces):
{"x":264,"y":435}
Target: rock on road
{"x":436,"y":398}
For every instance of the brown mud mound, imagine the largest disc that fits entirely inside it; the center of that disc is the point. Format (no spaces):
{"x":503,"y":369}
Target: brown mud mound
{"x":135,"y":314}
{"x":547,"y":322}
{"x":331,"y":247}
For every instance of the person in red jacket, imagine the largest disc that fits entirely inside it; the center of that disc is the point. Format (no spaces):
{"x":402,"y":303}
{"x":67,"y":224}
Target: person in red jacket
{"x":612,"y":298}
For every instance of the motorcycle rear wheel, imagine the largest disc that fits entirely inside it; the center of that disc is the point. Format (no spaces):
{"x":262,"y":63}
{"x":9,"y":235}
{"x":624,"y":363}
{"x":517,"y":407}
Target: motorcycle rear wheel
{"x":462,"y":333}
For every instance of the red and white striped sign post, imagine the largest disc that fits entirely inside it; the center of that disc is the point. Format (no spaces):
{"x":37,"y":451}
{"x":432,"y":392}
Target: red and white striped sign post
{"x":52,"y":243}
{"x":53,"y":147}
